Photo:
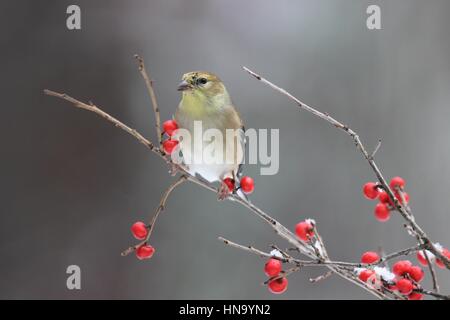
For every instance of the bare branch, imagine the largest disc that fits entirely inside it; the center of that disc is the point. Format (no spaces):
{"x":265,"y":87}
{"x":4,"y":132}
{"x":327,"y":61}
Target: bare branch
{"x":375,"y":150}
{"x":432,"y":272}
{"x":162,"y":204}
{"x":93,"y":108}
{"x":399,"y":253}
{"x":297,"y":262}
{"x":434,"y":294}
{"x":151,"y":91}
{"x":398,"y":206}
{"x":321,"y":277}
{"x":318,"y":257}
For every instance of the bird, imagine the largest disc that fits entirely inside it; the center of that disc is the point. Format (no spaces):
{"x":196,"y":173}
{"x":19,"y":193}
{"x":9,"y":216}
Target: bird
{"x":205,"y":98}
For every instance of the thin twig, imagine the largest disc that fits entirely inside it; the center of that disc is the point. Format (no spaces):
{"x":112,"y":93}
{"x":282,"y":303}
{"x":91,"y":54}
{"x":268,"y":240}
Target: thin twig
{"x":321,"y":277}
{"x":151,"y":91}
{"x":432,"y":272}
{"x":93,"y":108}
{"x":398,"y":206}
{"x":286,"y":259}
{"x":399,"y":253}
{"x":320,"y":241}
{"x":283,"y":274}
{"x":343,"y":269}
{"x":434,"y":294}
{"x":278,"y":227}
{"x":161,"y":206}
{"x":372,"y":155}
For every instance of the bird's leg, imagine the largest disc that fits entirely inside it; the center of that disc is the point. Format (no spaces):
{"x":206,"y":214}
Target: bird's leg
{"x":234,"y":183}
{"x":173,"y":169}
{"x":223,"y":192}
{"x":224,"y":188}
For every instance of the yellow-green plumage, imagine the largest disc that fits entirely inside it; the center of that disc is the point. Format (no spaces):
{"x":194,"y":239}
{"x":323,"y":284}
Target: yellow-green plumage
{"x":205,"y":98}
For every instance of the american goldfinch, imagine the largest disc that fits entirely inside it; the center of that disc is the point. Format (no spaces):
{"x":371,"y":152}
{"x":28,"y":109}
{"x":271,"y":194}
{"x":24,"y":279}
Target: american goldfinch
{"x":205,"y":99}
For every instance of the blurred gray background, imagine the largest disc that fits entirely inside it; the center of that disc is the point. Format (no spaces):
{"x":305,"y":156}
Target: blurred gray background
{"x":72,"y":184}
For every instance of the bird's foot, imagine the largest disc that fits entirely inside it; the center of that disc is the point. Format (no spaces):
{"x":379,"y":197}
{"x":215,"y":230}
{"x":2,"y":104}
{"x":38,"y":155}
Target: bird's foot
{"x":223,"y":192}
{"x":173,"y":169}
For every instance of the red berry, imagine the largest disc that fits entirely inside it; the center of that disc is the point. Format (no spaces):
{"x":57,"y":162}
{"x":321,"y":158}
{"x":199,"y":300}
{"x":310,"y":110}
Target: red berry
{"x":392,"y":287}
{"x":415,"y":296}
{"x":416,"y":273}
{"x":384,"y":198}
{"x":365,"y":275}
{"x":370,"y":257}
{"x":370,"y":190}
{"x":382,"y":212}
{"x":405,"y":196}
{"x":397,"y":182}
{"x":304,"y":230}
{"x":169,"y":145}
{"x":400,"y":268}
{"x":145,"y":252}
{"x":404,"y":286}
{"x":139,"y":230}
{"x":278,"y":286}
{"x":439,"y":262}
{"x":170,"y":126}
{"x":421,"y":258}
{"x":230,"y":183}
{"x":272,"y":267}
{"x":247,"y":184}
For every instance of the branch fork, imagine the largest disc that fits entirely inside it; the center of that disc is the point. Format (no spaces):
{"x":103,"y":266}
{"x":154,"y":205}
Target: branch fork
{"x":314,"y":250}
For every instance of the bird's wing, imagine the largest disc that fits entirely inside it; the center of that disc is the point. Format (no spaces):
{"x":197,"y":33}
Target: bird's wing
{"x":243,"y":142}
{"x":237,"y":123}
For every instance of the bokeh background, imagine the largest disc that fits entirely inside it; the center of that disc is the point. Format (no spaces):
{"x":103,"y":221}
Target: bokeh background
{"x":72,"y":184}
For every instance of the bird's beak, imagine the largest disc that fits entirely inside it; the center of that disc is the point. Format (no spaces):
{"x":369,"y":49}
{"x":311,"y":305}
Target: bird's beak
{"x":183,"y":85}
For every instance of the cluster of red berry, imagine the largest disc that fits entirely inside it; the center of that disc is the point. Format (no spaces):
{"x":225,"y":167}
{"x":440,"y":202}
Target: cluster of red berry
{"x":372,"y":190}
{"x":405,"y":276}
{"x":273,"y":267}
{"x":169,"y":127}
{"x":140,"y":232}
{"x":277,"y":284}
{"x":408,"y":278}
{"x":246,"y":184}
{"x":423,"y":260}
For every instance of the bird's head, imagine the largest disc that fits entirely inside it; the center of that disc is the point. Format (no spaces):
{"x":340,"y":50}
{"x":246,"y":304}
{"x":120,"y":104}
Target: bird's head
{"x":203,"y":87}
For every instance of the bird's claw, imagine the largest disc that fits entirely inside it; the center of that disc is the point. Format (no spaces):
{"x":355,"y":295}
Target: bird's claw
{"x":173,"y":169}
{"x":223,"y":191}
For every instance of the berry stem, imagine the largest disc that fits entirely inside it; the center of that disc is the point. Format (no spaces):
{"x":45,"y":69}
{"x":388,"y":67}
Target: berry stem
{"x":341,"y":269}
{"x":160,"y":208}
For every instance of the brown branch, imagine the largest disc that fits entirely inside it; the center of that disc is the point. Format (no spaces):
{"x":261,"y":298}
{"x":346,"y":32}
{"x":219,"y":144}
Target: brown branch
{"x":432,"y":272}
{"x":434,"y":294}
{"x":402,"y":209}
{"x":93,"y":108}
{"x":151,"y":91}
{"x":283,"y":274}
{"x":278,"y":227}
{"x":427,"y":258}
{"x":343,"y":269}
{"x":320,"y":241}
{"x":399,"y":253}
{"x":287,"y":259}
{"x":321,"y":277}
{"x":377,"y":147}
{"x":161,"y":206}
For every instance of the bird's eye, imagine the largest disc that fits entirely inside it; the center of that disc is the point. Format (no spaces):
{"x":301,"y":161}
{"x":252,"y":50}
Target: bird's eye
{"x":202,"y":80}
